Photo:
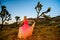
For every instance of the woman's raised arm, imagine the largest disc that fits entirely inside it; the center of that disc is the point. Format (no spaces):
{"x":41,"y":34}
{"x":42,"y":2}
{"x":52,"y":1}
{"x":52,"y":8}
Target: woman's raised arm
{"x":21,"y":23}
{"x":30,"y":20}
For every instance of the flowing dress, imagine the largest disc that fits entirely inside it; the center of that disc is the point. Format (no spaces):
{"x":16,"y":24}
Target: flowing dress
{"x":25,"y":30}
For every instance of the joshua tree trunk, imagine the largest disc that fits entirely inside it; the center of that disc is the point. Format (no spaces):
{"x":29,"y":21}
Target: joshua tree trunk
{"x":2,"y":24}
{"x":16,"y":23}
{"x":38,"y":16}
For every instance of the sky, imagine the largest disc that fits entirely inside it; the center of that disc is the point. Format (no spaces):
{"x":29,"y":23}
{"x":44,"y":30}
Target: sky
{"x":27,"y":7}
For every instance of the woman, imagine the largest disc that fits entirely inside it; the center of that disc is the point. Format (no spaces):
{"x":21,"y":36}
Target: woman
{"x":25,"y":30}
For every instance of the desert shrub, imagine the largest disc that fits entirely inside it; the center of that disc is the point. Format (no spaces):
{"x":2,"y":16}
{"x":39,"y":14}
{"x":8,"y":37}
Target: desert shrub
{"x":58,"y":26}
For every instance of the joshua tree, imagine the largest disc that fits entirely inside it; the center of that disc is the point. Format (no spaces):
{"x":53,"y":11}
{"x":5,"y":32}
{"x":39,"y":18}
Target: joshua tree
{"x":5,"y":16}
{"x":38,"y":9}
{"x":17,"y":18}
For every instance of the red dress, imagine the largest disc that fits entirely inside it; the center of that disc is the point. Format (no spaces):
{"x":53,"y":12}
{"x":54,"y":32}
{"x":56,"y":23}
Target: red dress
{"x":25,"y":30}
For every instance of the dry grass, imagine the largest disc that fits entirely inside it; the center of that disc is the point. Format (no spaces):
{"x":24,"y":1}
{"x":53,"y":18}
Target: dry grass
{"x":41,"y":32}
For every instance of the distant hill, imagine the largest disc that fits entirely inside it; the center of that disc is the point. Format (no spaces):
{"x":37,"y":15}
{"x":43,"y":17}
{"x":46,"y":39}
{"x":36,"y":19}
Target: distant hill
{"x":57,"y":19}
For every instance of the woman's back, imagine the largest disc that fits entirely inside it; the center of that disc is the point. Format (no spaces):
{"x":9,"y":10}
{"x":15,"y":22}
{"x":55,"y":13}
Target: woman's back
{"x":25,"y":22}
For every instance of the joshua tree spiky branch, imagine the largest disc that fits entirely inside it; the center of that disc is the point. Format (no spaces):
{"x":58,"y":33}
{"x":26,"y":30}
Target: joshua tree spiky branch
{"x":43,"y":13}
